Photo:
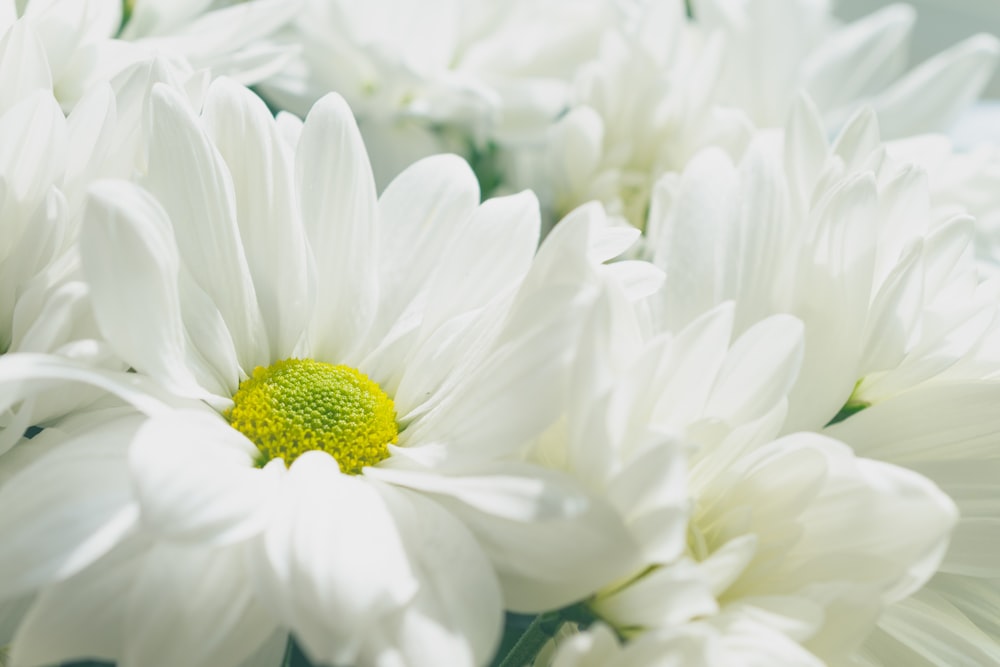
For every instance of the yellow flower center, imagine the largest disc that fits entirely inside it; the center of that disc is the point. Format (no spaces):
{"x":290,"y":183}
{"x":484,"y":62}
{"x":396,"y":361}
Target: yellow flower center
{"x":298,"y":405}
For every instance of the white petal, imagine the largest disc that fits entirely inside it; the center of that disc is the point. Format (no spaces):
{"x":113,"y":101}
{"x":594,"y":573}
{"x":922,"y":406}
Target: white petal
{"x":456,"y":617}
{"x":419,"y":215}
{"x":489,"y":259}
{"x":550,"y":543}
{"x":193,"y":185}
{"x":82,"y":617}
{"x":942,"y":421}
{"x":337,"y":195}
{"x":126,"y":233}
{"x":929,"y":97}
{"x":24,"y":67}
{"x":68,"y":508}
{"x":195,"y":479}
{"x":193,"y":606}
{"x":259,"y":162}
{"x":690,"y":248}
{"x":664,"y":597}
{"x":759,"y":370}
{"x":861,"y":58}
{"x":332,"y":562}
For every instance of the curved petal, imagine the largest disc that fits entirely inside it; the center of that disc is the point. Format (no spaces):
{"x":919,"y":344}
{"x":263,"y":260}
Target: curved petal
{"x":550,"y":541}
{"x":68,"y":508}
{"x":190,"y":180}
{"x":457,"y":615}
{"x":195,"y":479}
{"x":420,"y":214}
{"x":127,"y":233}
{"x":331,"y":563}
{"x":193,"y":606}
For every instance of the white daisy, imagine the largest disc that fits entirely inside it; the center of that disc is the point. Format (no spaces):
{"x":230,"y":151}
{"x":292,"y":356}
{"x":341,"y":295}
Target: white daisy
{"x":424,"y":77}
{"x":44,"y":305}
{"x":642,"y":108}
{"x":69,"y":46}
{"x":776,"y":49}
{"x":738,"y":526}
{"x":900,"y":335}
{"x":348,"y":380}
{"x":667,"y":86}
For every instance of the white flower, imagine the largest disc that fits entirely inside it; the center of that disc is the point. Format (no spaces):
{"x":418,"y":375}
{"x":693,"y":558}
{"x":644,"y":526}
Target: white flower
{"x":395,"y":353}
{"x":643,"y":107}
{"x":738,"y":526}
{"x":424,"y":77}
{"x":665,"y":87}
{"x":71,"y":46}
{"x":897,"y":323}
{"x":776,"y":49}
{"x":44,"y":305}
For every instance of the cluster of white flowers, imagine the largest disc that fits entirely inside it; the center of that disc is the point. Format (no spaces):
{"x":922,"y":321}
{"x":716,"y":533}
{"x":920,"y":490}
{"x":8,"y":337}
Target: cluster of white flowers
{"x":690,"y":357}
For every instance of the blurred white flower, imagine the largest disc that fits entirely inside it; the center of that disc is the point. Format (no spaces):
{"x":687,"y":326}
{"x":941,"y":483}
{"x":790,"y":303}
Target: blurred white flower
{"x":644,"y":107}
{"x":427,"y":77}
{"x":777,"y":48}
{"x":72,"y":46}
{"x":44,"y":304}
{"x":344,"y":384}
{"x":900,"y":334}
{"x":736,"y":525}
{"x":664,"y":87}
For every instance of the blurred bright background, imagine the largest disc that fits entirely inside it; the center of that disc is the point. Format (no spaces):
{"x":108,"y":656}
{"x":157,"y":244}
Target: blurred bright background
{"x":941,"y":23}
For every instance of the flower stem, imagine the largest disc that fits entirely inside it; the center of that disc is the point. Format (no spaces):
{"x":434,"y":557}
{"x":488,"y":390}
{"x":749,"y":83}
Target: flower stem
{"x":542,"y":629}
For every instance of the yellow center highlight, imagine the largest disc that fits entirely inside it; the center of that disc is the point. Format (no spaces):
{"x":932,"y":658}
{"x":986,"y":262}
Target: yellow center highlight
{"x":298,"y":405}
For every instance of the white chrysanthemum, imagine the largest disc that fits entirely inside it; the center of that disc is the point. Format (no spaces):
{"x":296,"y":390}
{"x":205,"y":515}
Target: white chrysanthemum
{"x":71,"y":46}
{"x":45,"y":173}
{"x":669,"y":86}
{"x":43,"y":305}
{"x":736,"y":525}
{"x":424,"y":77}
{"x":642,"y":108}
{"x":897,"y":324}
{"x":349,"y":381}
{"x":776,"y":48}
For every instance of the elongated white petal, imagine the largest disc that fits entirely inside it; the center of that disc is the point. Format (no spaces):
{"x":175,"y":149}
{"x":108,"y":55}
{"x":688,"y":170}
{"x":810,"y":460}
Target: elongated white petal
{"x":259,"y":162}
{"x":456,"y":615}
{"x":331,"y":563}
{"x":126,"y":232}
{"x":337,"y":195}
{"x":190,"y":180}
{"x":930,"y":96}
{"x":550,"y":543}
{"x":419,"y":215}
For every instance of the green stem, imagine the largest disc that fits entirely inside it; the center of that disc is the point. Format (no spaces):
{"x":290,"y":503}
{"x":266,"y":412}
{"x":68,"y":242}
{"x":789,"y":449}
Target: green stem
{"x":289,"y":652}
{"x":541,"y":630}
